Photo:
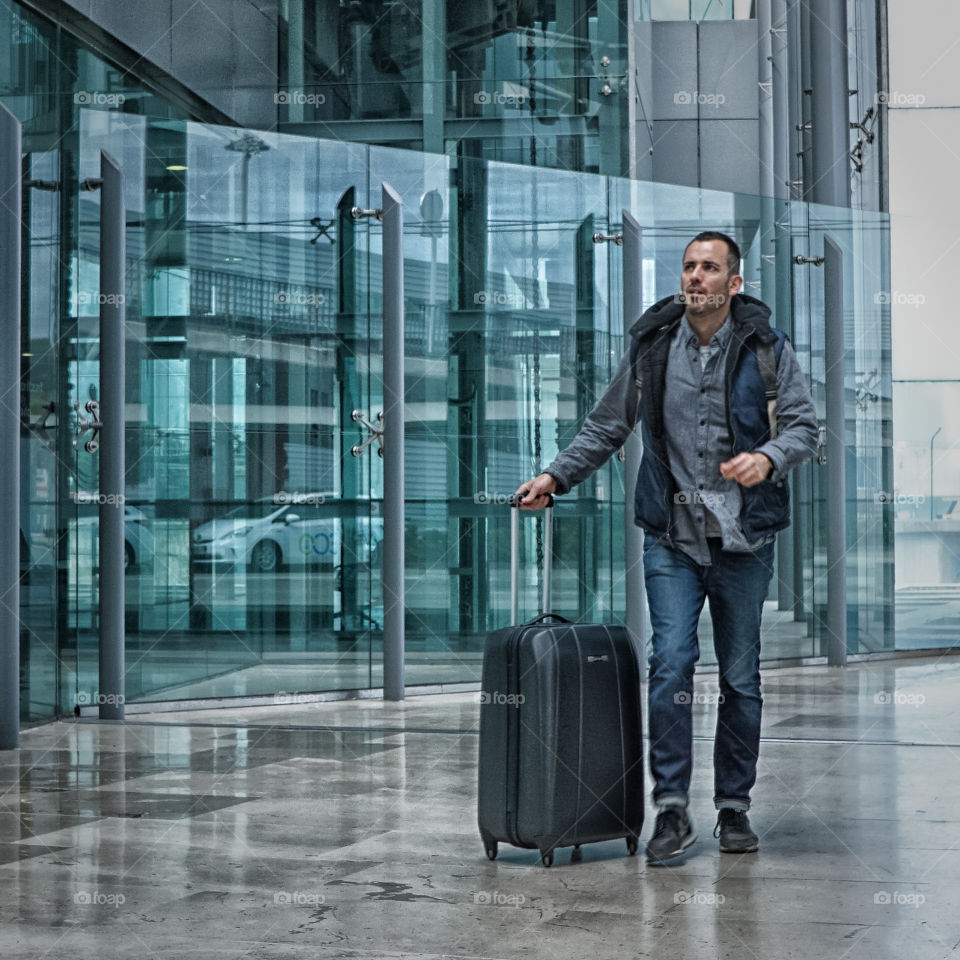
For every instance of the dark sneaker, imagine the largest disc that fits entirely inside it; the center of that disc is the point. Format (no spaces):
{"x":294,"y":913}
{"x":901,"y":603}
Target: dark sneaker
{"x":733,"y":829}
{"x":672,"y":835}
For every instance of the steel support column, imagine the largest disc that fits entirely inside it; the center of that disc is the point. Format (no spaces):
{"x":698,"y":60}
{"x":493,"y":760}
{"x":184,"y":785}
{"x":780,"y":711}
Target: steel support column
{"x":632,"y":535}
{"x":836,"y":455}
{"x":829,"y":104}
{"x":10,"y":234}
{"x":111,"y":692}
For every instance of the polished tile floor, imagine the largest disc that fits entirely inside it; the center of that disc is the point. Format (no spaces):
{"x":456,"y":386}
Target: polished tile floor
{"x":347,"y":830}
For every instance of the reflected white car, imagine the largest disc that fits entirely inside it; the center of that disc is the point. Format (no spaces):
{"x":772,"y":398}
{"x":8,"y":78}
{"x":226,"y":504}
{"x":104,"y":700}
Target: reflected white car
{"x":268,"y":535}
{"x":138,"y":541}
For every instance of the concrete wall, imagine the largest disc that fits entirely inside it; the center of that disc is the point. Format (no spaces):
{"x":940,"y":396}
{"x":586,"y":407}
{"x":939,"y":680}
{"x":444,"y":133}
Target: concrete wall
{"x":697,"y":88}
{"x":923,"y":107}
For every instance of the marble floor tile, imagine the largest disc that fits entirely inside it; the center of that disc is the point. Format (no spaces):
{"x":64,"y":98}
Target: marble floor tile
{"x":348,"y":830}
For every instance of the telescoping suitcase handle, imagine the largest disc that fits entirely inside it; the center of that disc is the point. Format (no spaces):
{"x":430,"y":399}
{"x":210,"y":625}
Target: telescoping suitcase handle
{"x":515,"y":557}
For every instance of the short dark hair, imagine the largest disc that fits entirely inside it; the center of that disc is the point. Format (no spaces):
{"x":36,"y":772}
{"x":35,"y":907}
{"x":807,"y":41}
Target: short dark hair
{"x":733,"y":251}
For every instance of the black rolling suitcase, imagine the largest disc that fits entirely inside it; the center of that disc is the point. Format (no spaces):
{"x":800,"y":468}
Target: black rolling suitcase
{"x":561,"y":755}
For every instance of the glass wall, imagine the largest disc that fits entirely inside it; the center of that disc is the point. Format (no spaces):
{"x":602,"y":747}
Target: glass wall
{"x":541,"y":82}
{"x":254,"y":354}
{"x":254,"y":535}
{"x":47,"y":79}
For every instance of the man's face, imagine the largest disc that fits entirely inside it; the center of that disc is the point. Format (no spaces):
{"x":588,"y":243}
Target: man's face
{"x":706,"y":283}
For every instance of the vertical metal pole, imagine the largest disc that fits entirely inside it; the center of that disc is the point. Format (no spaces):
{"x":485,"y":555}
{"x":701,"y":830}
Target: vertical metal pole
{"x":765,"y":81}
{"x":836,"y":455}
{"x":547,"y":559}
{"x":296,"y":72}
{"x":780,"y":77}
{"x":829,"y":106}
{"x":632,"y":535}
{"x":112,"y":452}
{"x":394,"y":557}
{"x":10,"y":234}
{"x":514,"y":563}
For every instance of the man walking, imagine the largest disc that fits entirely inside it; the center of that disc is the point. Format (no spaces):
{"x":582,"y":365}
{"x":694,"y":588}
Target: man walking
{"x":725,"y":414}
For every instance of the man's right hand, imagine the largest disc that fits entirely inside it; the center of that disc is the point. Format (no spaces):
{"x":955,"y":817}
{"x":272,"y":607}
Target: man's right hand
{"x":536,"y":492}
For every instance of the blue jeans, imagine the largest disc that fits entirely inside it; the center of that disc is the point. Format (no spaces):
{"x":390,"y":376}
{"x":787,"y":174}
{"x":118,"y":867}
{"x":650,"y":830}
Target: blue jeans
{"x":736,"y":585}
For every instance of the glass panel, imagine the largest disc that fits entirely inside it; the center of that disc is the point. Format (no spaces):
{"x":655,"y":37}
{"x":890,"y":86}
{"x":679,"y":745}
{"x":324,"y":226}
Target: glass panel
{"x":254,"y":332}
{"x":260,"y":334}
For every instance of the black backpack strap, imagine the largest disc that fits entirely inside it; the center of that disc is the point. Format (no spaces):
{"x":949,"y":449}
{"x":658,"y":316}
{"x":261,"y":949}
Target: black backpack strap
{"x":767,"y":362}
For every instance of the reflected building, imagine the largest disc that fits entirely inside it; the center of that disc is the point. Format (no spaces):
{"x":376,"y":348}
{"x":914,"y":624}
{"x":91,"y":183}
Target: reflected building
{"x":514,"y":132}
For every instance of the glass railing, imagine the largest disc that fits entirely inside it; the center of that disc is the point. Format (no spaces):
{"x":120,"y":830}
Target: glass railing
{"x":254,"y":537}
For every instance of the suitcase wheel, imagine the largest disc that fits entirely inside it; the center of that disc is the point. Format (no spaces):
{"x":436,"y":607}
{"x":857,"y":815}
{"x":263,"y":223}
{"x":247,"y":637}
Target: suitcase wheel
{"x":491,"y":848}
{"x":633,"y":845}
{"x":546,"y":858}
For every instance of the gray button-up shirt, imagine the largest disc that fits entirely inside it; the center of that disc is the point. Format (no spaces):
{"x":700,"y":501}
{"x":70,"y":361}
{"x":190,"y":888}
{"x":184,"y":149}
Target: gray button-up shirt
{"x":698,"y":441}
